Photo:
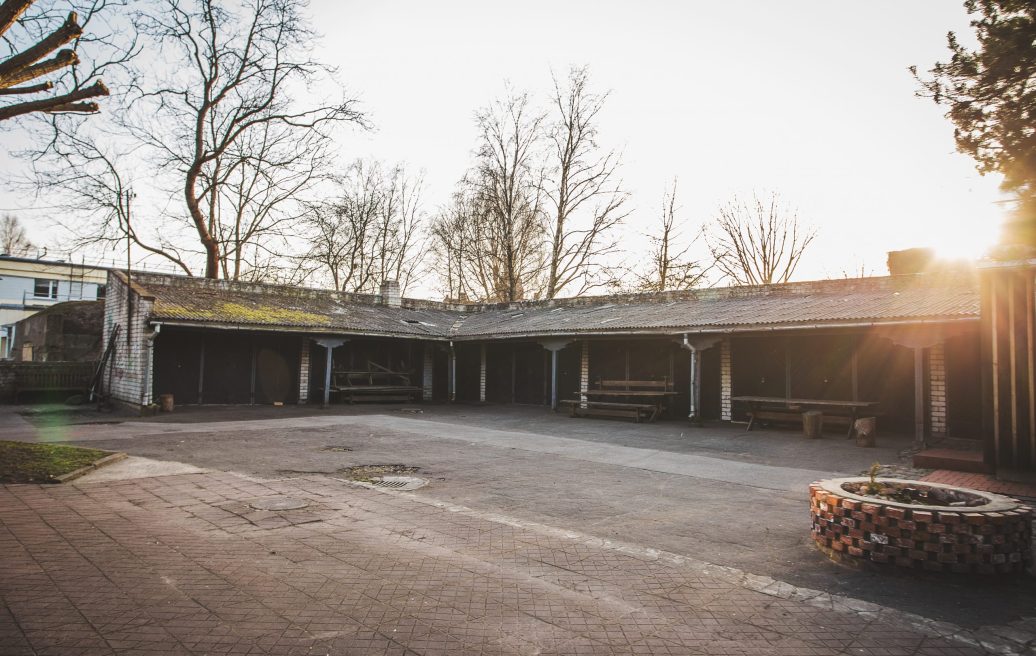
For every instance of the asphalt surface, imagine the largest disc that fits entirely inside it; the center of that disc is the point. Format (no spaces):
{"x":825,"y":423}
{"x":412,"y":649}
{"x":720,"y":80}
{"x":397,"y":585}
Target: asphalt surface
{"x":717,"y":494}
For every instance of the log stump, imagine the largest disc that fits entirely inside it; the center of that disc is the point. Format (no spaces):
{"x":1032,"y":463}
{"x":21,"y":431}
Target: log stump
{"x":813,"y":424}
{"x":865,"y":429}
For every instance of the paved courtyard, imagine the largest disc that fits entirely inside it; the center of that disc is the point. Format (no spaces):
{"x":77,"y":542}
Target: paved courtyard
{"x":537,"y":534}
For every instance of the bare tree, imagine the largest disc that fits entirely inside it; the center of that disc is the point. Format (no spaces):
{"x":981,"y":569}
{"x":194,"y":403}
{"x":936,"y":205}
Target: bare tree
{"x":758,"y":242}
{"x":236,"y":69}
{"x":452,"y":253}
{"x":370,"y":231}
{"x":26,"y":60}
{"x":585,"y":196}
{"x":258,"y":199}
{"x":670,"y":268}
{"x":95,"y":179}
{"x":209,"y":144}
{"x":507,"y":255}
{"x":13,"y":240}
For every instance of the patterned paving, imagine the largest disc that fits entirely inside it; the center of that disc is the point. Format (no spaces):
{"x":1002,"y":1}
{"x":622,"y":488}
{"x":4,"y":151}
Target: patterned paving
{"x":183,"y":565}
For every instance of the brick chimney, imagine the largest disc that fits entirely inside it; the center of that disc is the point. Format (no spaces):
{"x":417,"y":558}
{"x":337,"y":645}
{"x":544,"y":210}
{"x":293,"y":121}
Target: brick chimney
{"x":390,"y":293}
{"x":911,"y":260}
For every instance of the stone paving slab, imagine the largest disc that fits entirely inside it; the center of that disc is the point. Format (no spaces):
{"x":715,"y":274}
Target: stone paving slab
{"x":178,"y":565}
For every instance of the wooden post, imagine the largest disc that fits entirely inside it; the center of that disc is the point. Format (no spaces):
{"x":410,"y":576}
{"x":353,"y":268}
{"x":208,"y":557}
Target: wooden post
{"x":787,"y":368}
{"x":919,"y":439}
{"x":251,"y":387}
{"x":855,"y":373}
{"x":453,"y":374}
{"x":201,"y":371}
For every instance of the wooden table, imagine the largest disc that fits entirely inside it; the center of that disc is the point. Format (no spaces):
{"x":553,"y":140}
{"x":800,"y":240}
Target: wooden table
{"x":760,"y":404}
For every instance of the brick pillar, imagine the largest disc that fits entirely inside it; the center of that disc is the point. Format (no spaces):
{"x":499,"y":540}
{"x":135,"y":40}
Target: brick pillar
{"x":304,"y":371}
{"x":482,"y":374}
{"x":725,"y":368}
{"x":937,"y":390}
{"x":584,"y":373}
{"x":428,"y":372}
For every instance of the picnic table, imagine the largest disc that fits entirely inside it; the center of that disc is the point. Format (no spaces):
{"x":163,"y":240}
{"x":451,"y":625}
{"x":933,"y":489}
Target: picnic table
{"x":762,"y":408}
{"x":635,"y":399}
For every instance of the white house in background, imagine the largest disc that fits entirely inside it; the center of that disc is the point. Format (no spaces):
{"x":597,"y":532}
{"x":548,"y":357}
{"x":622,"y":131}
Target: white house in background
{"x":29,"y":285}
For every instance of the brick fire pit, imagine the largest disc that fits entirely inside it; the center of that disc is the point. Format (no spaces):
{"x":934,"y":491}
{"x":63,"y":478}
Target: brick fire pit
{"x":992,"y":538}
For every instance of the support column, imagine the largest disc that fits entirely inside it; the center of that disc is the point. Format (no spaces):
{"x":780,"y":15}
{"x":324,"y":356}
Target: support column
{"x":937,"y":389}
{"x":919,"y":437}
{"x":304,"y":371}
{"x":554,"y":345}
{"x":482,"y":374}
{"x":329,"y":345}
{"x":584,"y":373}
{"x":452,"y":374}
{"x":725,"y":369}
{"x":918,"y":339}
{"x":428,"y":372}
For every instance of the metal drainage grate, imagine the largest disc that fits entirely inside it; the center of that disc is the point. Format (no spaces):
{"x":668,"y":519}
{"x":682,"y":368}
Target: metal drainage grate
{"x":404,"y":483}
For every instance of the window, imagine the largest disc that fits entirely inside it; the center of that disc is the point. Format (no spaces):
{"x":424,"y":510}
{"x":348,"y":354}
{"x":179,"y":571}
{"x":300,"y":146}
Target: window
{"x":45,"y":288}
{"x":101,"y":289}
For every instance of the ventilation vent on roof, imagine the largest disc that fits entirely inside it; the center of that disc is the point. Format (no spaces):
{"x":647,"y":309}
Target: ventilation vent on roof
{"x":603,"y":307}
{"x":517,"y":314}
{"x":416,"y":322}
{"x":609,"y":319}
{"x":557,"y":310}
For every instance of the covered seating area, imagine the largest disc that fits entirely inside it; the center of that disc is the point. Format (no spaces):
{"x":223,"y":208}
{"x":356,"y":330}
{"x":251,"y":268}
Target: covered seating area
{"x":898,"y":348}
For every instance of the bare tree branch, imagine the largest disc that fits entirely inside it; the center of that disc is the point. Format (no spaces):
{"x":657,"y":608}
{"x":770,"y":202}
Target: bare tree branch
{"x":586,"y":199}
{"x":758,"y":242}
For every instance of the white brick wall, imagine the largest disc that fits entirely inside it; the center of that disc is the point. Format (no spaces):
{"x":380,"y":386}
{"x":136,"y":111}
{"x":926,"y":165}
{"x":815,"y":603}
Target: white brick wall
{"x":937,"y":390}
{"x":584,"y":373}
{"x":129,"y":373}
{"x":304,"y":370}
{"x":428,"y":372}
{"x":482,"y":374}
{"x":725,"y":369}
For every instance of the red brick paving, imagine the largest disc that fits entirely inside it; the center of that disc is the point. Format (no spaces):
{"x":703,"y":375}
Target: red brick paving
{"x":983,"y":482}
{"x":180,"y":565}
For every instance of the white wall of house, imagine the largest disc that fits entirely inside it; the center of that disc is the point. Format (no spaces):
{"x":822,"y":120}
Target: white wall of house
{"x":28,"y":286}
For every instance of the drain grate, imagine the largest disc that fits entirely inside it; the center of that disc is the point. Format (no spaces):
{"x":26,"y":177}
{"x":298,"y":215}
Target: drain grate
{"x":404,"y":483}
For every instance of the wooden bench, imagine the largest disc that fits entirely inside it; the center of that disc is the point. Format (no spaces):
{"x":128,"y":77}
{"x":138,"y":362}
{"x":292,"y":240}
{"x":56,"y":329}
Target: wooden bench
{"x":373,"y":387}
{"x":634,"y":411}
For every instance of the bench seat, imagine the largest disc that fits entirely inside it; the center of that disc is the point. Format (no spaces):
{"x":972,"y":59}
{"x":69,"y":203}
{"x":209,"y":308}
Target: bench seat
{"x":634,"y":411}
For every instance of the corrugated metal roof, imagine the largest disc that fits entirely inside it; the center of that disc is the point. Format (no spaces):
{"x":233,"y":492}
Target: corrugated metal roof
{"x":901,"y":298}
{"x":206,"y":302}
{"x":830,"y":302}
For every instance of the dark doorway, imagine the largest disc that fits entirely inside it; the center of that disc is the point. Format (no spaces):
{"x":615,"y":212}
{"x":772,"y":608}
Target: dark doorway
{"x":177,"y":363}
{"x":963,"y":386}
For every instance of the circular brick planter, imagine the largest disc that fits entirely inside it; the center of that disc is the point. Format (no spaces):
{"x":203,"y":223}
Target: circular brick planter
{"x":994,"y":538}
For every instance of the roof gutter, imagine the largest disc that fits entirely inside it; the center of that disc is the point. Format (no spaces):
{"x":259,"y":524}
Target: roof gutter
{"x":302,"y":330}
{"x":660,"y":332}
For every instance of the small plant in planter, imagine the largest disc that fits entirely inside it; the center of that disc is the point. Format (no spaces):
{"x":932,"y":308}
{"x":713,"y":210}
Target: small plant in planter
{"x":872,"y":486}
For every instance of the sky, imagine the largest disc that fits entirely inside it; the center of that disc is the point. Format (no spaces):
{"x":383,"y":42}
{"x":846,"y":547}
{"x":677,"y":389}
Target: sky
{"x":812,"y":100}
